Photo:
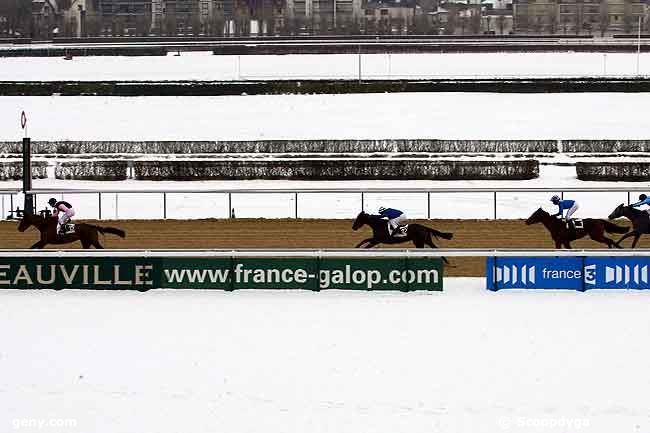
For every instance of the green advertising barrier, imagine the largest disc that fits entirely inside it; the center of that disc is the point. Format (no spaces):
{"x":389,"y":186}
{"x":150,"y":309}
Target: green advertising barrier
{"x":77,"y":273}
{"x":226,"y":273}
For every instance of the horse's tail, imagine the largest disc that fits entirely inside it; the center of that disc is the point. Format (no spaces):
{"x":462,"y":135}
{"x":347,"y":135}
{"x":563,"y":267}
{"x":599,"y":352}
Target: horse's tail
{"x":111,"y":230}
{"x":613,"y":228}
{"x":438,"y":234}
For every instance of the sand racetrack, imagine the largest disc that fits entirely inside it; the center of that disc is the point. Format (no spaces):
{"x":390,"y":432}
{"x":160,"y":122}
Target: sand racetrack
{"x":308,"y":233}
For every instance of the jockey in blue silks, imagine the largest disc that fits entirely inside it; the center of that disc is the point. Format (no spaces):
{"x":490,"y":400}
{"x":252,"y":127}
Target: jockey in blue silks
{"x":395,"y":217}
{"x":643,"y":199}
{"x":569,"y":205}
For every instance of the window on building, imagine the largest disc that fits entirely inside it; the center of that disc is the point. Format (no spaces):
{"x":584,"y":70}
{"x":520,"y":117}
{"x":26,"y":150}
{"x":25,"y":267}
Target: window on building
{"x":368,"y":12}
{"x":384,"y":12}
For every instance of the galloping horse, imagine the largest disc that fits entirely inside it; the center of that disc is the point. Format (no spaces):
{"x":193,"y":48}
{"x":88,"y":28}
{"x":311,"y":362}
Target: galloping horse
{"x":417,"y":233}
{"x":640,"y":222}
{"x":595,"y":228}
{"x":86,"y":233}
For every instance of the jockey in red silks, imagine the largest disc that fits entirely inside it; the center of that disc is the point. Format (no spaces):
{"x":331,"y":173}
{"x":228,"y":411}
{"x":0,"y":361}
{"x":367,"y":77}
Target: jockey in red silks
{"x":63,"y":211}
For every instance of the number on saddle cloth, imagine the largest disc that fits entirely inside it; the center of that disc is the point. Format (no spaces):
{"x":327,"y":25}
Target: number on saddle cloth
{"x":400,"y":231}
{"x":575,"y":224}
{"x":67,"y":229}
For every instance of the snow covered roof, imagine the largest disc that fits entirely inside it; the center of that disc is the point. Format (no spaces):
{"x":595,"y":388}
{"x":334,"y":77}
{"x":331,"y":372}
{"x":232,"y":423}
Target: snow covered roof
{"x":383,"y":4}
{"x":41,"y":3}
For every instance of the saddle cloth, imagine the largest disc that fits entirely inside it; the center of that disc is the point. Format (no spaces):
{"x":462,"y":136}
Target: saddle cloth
{"x":575,"y":224}
{"x":67,"y":229}
{"x":401,"y":231}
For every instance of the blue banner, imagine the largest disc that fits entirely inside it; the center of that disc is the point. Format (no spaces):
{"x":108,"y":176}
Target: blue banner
{"x":535,"y":273}
{"x":574,"y":273}
{"x":617,"y":272}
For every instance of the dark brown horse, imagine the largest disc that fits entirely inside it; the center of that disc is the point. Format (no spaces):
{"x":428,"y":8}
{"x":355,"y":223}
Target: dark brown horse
{"x":87,"y":234}
{"x":417,"y":233}
{"x":563,"y":236}
{"x":640,"y":222}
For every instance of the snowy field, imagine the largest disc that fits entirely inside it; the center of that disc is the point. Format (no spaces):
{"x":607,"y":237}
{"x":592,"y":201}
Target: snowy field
{"x":464,"y":360}
{"x":413,"y":115}
{"x":469,"y":205}
{"x":205,"y":66}
{"x":362,"y":116}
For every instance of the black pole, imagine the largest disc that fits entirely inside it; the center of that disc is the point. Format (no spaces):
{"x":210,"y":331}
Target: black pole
{"x":27,"y":174}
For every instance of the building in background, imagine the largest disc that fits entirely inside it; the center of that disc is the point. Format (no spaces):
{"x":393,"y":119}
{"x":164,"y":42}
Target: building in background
{"x":323,"y":16}
{"x":45,"y":18}
{"x":389,"y":16}
{"x":78,"y":18}
{"x":580,"y":16}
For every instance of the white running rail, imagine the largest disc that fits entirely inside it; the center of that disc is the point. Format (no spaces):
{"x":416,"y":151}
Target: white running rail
{"x":330,"y":253}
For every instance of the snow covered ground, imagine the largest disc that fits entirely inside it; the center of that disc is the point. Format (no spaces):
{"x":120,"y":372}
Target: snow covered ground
{"x":415,"y":115}
{"x":462,"y":361}
{"x":205,"y":66}
{"x":380,"y":116}
{"x":184,"y":205}
{"x":465,"y":360}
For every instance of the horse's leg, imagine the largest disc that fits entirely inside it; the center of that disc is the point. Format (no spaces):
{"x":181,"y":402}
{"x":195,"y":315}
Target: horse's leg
{"x":38,"y":245}
{"x":363,"y":242}
{"x":558,"y":244}
{"x":636,"y":239}
{"x":600,"y":237}
{"x":371,"y":244}
{"x":419,"y":243}
{"x":85,"y":244}
{"x":567,"y":245}
{"x":625,"y":236}
{"x":429,"y":242}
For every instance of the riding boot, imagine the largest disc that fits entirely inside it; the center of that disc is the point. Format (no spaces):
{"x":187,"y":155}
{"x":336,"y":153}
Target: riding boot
{"x":58,"y":230}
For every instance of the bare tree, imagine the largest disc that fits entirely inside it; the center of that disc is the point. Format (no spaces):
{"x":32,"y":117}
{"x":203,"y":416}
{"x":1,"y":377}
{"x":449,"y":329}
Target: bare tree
{"x":18,"y":15}
{"x":522,"y":24}
{"x":475,"y":21}
{"x":501,"y":24}
{"x":552,"y":21}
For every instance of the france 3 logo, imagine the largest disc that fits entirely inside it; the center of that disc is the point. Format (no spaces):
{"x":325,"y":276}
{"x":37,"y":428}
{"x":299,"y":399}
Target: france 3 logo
{"x":618,"y":273}
{"x":573,"y":273}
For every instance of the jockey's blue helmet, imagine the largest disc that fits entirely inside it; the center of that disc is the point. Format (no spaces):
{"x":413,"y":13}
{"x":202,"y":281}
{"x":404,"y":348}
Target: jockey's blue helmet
{"x":555,"y":198}
{"x":643,"y":197}
{"x":381,"y":209}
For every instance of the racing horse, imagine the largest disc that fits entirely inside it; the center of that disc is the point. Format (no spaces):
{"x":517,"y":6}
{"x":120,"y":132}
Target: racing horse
{"x":563,"y":236}
{"x":640,"y":222}
{"x":417,"y":233}
{"x":87,"y":234}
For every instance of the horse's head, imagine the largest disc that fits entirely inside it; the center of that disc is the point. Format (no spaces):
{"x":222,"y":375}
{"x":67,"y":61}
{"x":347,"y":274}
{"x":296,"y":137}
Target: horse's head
{"x":28,"y":220}
{"x":25,"y":222}
{"x":536,"y":217}
{"x":360,"y":220}
{"x":617,"y":213}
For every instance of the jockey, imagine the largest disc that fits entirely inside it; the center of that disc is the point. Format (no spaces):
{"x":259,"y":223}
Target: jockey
{"x":63,"y":211}
{"x":569,"y":205}
{"x":643,"y":199}
{"x":395,"y":218}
